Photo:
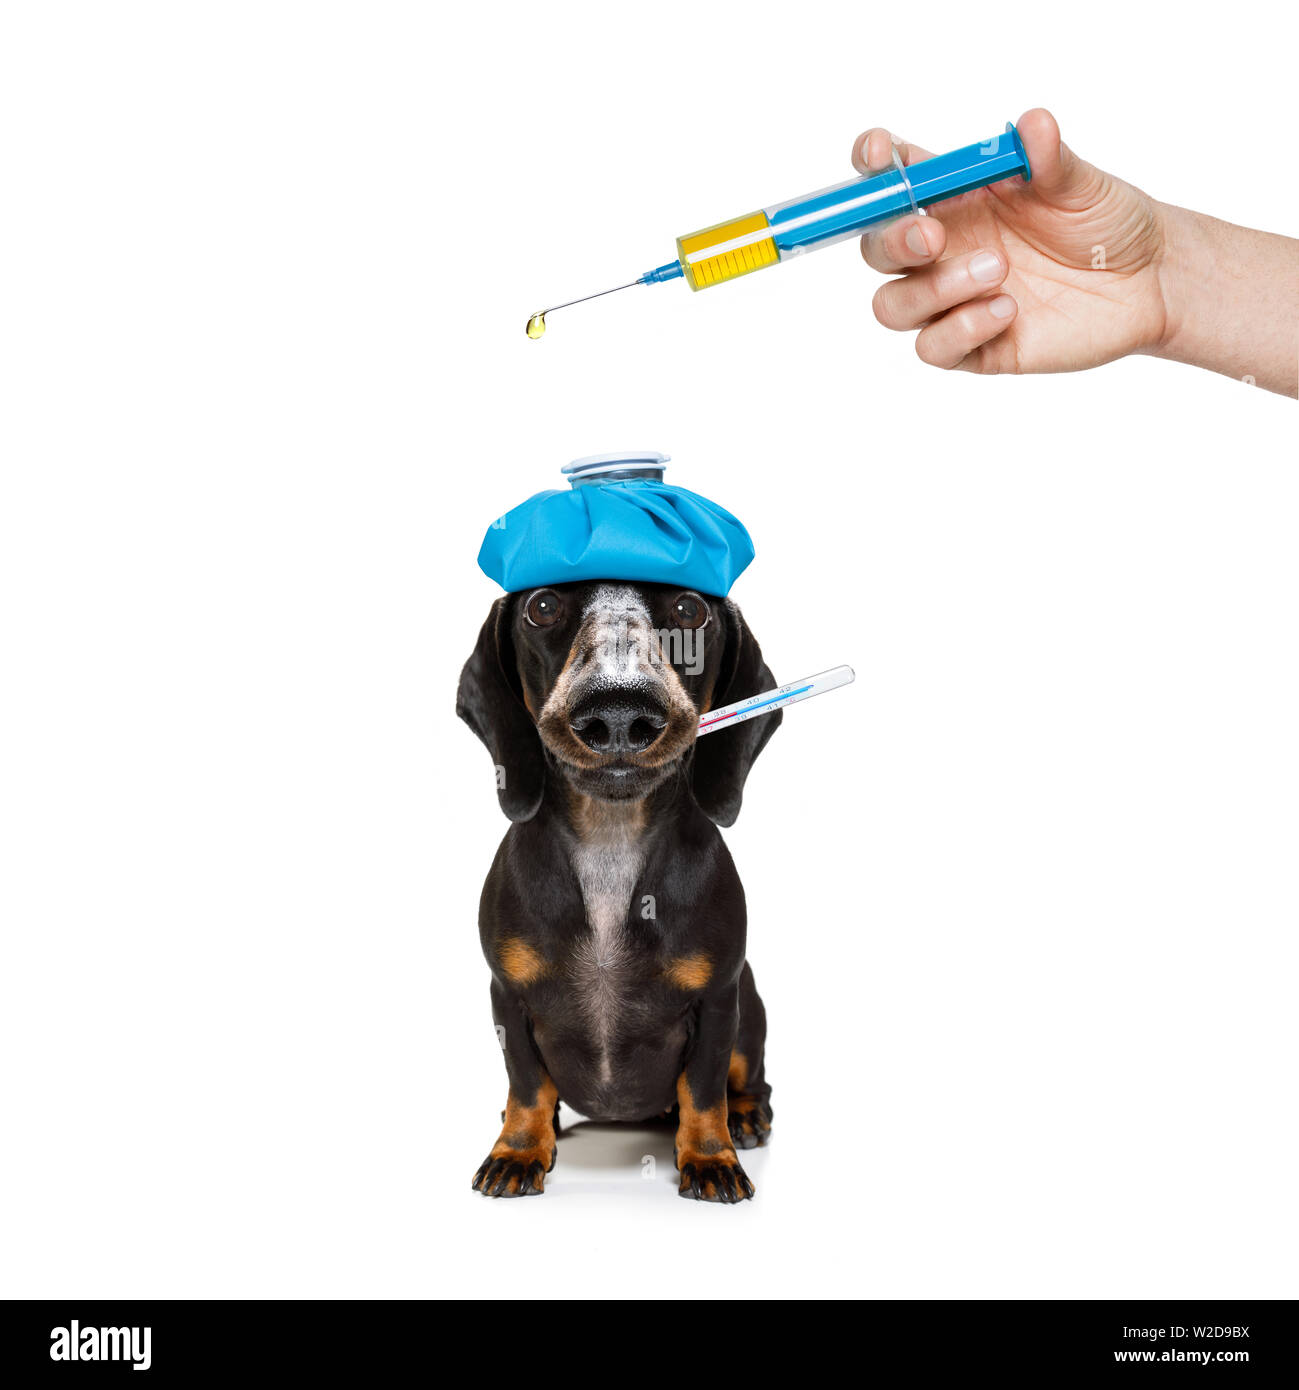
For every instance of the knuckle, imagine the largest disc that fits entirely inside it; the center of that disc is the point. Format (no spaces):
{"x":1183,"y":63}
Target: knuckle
{"x":895,"y":239}
{"x":955,"y":284}
{"x":886,"y":307}
{"x":931,"y":352}
{"x":873,"y":253}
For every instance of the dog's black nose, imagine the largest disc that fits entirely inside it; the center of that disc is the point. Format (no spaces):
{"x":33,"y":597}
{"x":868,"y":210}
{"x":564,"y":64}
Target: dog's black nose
{"x":610,"y":724}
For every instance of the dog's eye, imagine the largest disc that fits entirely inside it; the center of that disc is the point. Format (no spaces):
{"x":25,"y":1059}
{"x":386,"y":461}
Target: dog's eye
{"x":543,"y":608}
{"x":689,"y":610}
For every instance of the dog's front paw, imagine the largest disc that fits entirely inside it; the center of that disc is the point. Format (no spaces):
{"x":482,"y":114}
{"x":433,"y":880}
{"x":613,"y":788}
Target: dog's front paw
{"x":749,"y":1121}
{"x":714,"y":1178}
{"x":513,"y":1172}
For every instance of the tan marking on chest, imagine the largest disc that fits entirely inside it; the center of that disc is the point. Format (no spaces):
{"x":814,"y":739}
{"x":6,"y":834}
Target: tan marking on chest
{"x":521,"y":963}
{"x":690,"y":972}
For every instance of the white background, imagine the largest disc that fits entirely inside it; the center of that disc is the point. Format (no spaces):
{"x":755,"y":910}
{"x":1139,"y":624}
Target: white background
{"x":1022,"y":901}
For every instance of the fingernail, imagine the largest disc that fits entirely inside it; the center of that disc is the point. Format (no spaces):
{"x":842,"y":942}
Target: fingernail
{"x":916,"y":241}
{"x":1002,"y":307}
{"x":985,"y":266}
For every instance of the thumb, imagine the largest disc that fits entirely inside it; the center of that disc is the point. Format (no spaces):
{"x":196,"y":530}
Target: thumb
{"x":1056,"y":169}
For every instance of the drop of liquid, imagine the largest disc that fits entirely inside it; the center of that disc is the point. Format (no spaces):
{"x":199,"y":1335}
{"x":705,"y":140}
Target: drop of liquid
{"x":536,"y":325}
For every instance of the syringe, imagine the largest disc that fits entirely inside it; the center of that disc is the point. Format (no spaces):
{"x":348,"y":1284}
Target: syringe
{"x":769,"y":701}
{"x":779,"y":233}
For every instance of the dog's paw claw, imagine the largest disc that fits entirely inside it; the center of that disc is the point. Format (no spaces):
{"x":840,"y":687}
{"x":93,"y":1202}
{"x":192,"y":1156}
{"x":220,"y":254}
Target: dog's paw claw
{"x":715,"y":1180}
{"x":749,"y":1122}
{"x":511,"y":1175}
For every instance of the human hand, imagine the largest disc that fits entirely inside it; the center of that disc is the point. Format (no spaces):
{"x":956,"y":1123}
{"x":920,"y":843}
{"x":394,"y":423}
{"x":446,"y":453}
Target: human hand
{"x":1053,"y":275}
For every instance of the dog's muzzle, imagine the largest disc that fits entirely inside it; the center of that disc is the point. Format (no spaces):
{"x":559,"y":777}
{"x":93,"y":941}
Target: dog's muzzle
{"x":618,"y":723}
{"x":618,"y":717}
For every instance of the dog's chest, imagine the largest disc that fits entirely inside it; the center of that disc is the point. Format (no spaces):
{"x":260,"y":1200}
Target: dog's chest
{"x":607,"y":875}
{"x":607,"y":866}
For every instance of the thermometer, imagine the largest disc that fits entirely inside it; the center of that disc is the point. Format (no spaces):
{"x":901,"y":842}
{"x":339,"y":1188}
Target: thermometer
{"x":771,"y":700}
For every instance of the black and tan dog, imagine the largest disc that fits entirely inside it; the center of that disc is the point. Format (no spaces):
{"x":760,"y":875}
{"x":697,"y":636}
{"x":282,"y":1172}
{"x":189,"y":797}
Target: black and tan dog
{"x":613,"y":919}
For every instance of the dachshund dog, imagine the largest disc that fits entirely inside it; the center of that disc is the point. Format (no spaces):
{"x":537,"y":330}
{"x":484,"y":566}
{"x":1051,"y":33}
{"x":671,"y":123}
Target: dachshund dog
{"x":613,"y":919}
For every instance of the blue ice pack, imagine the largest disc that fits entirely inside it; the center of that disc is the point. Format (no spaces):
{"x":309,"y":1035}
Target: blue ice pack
{"x":619,"y":520}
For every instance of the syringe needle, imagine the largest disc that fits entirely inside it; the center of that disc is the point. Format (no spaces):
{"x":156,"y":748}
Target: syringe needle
{"x":597,"y":295}
{"x":537,"y":323}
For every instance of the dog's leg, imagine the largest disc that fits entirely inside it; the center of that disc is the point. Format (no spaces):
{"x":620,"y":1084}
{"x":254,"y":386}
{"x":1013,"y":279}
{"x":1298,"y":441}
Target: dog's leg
{"x":525,"y":1152}
{"x":706,"y":1158}
{"x":748,"y":1097}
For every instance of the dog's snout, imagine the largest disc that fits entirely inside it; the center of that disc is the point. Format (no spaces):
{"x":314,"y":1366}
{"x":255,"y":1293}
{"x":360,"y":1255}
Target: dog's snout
{"x":617,"y":725}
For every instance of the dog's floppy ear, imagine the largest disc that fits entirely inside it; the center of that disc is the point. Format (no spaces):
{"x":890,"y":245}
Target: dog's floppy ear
{"x":490,"y":701}
{"x":722,"y":760}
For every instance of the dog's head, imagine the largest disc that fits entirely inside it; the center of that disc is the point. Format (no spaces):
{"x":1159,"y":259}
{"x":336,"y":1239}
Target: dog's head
{"x":604,"y":683}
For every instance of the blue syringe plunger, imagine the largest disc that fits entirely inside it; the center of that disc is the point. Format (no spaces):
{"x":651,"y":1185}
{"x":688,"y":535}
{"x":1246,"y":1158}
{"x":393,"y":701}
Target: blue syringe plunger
{"x":974,"y":166}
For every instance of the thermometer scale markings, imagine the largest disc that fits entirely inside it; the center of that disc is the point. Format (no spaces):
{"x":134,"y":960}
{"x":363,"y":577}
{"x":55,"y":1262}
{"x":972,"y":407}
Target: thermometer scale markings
{"x":749,"y":708}
{"x":768,"y":701}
